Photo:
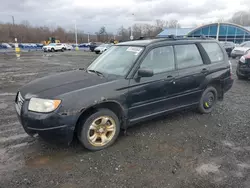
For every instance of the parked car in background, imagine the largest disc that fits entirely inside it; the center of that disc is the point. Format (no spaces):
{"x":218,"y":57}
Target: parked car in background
{"x":52,"y":47}
{"x":6,"y":46}
{"x":102,"y":48}
{"x":243,"y":67}
{"x":131,"y":82}
{"x":68,"y":47}
{"x":93,"y":45}
{"x":228,"y":46}
{"x":241,"y":50}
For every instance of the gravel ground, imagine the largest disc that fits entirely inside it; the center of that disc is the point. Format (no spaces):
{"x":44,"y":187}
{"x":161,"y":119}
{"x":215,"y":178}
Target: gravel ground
{"x":181,"y":150}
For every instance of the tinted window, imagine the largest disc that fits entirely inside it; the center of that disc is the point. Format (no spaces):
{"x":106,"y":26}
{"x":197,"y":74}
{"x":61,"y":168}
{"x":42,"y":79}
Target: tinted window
{"x":159,"y":59}
{"x":213,"y":51}
{"x":187,"y":56}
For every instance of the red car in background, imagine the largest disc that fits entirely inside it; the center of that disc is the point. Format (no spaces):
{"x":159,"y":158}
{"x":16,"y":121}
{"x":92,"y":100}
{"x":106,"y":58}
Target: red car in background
{"x":243,"y":67}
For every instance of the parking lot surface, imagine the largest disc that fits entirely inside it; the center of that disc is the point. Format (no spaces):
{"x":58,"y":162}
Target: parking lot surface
{"x":183,"y":149}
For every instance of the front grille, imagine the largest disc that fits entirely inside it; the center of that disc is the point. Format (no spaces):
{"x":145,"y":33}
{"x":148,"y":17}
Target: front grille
{"x":19,"y":101}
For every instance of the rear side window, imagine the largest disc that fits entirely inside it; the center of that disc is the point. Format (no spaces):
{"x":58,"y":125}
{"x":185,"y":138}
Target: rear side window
{"x":214,"y":52}
{"x":187,"y":56}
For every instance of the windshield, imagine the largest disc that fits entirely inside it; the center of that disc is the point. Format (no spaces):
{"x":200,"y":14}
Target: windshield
{"x":245,"y":44}
{"x":52,"y":44}
{"x":117,"y":60}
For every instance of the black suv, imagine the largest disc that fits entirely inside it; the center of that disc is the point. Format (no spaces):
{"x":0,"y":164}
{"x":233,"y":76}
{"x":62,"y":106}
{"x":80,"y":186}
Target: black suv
{"x":131,"y":82}
{"x":243,"y":67}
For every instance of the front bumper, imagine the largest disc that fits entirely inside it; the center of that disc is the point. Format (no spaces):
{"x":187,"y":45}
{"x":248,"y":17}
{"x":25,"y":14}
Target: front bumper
{"x":52,"y":127}
{"x":243,"y":70}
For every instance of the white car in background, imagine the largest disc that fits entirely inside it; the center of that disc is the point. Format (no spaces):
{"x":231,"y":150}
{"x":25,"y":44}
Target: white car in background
{"x":102,"y":48}
{"x":241,"y":50}
{"x":68,"y":47}
{"x":53,"y":47}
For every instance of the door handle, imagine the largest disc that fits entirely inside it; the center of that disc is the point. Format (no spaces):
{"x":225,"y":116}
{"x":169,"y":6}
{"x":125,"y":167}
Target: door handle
{"x":171,"y":79}
{"x":204,"y":71}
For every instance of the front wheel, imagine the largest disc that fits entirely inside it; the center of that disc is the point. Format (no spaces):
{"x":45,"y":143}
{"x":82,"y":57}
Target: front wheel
{"x":100,"y":130}
{"x":52,"y":49}
{"x":207,"y":100}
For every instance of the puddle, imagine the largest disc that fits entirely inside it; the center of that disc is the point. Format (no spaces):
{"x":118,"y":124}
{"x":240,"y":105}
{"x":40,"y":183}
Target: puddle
{"x":44,"y":160}
{"x":3,"y":105}
{"x":205,"y":169}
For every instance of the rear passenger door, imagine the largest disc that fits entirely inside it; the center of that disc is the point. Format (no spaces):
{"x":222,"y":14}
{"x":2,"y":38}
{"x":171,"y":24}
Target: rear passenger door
{"x":192,"y":73}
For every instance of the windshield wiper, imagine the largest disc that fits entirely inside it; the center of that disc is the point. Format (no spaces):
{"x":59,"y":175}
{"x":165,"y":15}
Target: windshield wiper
{"x":97,"y":72}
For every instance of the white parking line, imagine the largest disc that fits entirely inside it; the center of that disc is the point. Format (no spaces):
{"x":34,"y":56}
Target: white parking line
{"x":10,"y":130}
{"x":15,"y":137}
{"x":19,"y":145}
{"x":7,"y":94}
{"x":10,"y":124}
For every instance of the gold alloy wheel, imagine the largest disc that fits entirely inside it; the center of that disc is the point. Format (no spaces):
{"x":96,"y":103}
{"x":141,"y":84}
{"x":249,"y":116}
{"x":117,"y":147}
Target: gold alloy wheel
{"x":101,"y":131}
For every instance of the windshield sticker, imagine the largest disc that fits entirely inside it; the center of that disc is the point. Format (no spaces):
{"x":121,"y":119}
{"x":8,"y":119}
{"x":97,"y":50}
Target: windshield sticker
{"x":134,"y":49}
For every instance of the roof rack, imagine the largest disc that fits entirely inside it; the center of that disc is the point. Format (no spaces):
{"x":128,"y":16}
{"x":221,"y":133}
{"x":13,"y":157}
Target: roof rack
{"x":173,"y":37}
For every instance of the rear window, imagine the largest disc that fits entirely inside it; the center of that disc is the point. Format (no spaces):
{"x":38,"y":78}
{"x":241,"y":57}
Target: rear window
{"x":214,"y":52}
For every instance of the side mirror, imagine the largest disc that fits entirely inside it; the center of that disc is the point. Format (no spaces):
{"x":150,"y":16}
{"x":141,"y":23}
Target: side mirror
{"x":145,"y":73}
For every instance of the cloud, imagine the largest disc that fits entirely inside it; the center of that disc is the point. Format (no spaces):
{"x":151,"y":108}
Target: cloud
{"x":91,"y":15}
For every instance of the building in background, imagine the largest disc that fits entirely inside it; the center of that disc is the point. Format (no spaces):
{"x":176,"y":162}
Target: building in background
{"x":221,"y":31}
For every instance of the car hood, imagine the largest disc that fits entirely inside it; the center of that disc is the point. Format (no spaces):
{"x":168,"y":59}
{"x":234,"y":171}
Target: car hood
{"x":100,"y":48}
{"x":51,"y":86}
{"x":242,"y":49}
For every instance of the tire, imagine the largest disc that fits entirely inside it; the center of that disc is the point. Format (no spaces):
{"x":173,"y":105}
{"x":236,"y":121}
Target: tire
{"x":233,"y":57}
{"x":97,"y":52}
{"x":208,"y":100}
{"x":62,"y":50}
{"x":52,"y":49}
{"x":99,"y":130}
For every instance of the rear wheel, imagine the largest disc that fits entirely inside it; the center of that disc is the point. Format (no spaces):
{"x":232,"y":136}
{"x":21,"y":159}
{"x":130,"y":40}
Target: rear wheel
{"x":208,"y":100}
{"x":97,"y":52}
{"x":62,"y":50}
{"x":100,"y":130}
{"x":52,"y":49}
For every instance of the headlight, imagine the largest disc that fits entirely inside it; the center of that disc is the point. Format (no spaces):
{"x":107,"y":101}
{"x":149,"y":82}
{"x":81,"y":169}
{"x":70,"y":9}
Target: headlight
{"x":242,"y":59}
{"x":43,"y":105}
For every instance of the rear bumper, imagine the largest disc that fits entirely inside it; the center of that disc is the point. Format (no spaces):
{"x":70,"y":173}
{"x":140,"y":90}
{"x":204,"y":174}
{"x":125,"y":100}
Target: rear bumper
{"x":52,"y":127}
{"x":227,"y":84}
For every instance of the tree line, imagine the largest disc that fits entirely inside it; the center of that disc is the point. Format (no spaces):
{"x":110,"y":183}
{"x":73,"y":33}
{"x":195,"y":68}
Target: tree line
{"x":26,"y":33}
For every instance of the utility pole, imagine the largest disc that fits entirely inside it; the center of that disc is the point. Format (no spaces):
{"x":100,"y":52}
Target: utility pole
{"x":88,"y":37}
{"x":131,"y":35}
{"x":75,"y":33}
{"x":13,"y":20}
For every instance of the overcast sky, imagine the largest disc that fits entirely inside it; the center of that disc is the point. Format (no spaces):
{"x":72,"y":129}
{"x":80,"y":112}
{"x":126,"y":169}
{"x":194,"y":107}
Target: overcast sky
{"x":90,"y":15}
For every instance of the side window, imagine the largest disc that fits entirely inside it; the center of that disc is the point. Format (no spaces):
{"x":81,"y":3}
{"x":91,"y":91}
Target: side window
{"x":214,"y":51}
{"x":187,"y":56}
{"x":159,"y":60}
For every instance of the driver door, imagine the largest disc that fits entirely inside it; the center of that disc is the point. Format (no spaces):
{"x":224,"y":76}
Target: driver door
{"x":148,"y":96}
